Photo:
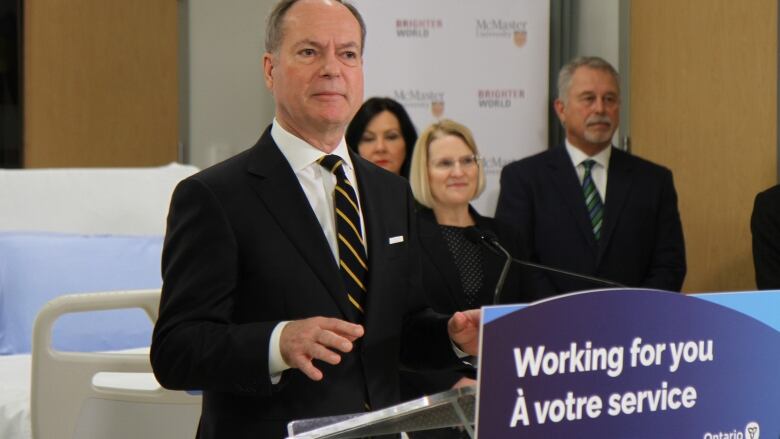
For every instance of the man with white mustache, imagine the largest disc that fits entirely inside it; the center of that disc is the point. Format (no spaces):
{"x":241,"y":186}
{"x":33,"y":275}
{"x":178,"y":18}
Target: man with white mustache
{"x":588,"y":207}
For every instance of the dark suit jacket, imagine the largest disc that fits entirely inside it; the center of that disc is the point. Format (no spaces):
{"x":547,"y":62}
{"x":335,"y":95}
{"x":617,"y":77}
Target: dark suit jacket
{"x":444,"y":291}
{"x":244,"y":251}
{"x":641,"y":241}
{"x":441,"y":279}
{"x":765,"y":226}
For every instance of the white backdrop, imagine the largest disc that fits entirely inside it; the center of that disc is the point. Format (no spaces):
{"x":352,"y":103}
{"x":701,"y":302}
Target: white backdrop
{"x":483,"y":64}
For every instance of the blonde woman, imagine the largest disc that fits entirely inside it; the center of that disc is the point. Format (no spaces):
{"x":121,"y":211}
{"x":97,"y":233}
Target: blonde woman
{"x":446,"y":174}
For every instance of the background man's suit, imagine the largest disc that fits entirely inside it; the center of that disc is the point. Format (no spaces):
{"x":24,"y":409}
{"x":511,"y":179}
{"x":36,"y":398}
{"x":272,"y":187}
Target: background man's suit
{"x":244,"y":251}
{"x":641,"y":241}
{"x":765,"y":227}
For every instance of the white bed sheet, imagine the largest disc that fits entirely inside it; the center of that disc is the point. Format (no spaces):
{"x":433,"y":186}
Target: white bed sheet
{"x":15,"y":371}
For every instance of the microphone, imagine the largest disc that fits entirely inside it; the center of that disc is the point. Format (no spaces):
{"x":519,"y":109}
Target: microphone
{"x":477,"y":236}
{"x":490,"y":240}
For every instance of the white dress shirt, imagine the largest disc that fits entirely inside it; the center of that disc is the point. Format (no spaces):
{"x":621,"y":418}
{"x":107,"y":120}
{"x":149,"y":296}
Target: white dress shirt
{"x":318,"y":184}
{"x":598,"y":172}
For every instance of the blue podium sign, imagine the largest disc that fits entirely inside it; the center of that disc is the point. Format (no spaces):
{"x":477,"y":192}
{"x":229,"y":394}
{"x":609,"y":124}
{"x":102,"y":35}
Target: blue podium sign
{"x":631,"y":363}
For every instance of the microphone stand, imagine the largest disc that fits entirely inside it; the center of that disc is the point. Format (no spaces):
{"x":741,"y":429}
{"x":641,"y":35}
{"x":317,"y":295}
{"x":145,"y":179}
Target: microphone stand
{"x":490,"y":241}
{"x":569,"y":273}
{"x":502,"y":277}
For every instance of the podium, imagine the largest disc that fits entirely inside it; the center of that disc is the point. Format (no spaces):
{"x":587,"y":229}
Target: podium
{"x":452,"y":408}
{"x":606,"y":363}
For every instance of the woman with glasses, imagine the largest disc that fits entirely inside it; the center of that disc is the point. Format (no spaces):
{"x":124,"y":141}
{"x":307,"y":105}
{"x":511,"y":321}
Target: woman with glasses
{"x":458,"y":274}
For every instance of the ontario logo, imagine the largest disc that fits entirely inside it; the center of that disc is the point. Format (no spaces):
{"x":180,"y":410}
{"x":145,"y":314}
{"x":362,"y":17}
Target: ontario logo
{"x":500,"y":28}
{"x":417,"y":27}
{"x":499,"y":98}
{"x":752,"y":431}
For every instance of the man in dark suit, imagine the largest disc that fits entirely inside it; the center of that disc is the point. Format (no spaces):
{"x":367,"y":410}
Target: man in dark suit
{"x":265,"y":306}
{"x":590,"y":208}
{"x":765,"y":227}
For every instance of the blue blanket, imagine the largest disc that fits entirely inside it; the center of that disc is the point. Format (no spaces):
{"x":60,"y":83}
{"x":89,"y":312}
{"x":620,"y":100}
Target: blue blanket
{"x":37,"y":267}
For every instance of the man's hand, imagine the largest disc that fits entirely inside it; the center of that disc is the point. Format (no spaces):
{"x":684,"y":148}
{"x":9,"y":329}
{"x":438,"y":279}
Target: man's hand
{"x":316,"y":338}
{"x":464,"y":382}
{"x":463,"y":328}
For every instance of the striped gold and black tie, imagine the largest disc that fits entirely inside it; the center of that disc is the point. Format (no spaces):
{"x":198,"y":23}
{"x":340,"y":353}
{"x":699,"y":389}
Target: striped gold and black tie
{"x":352,"y":250}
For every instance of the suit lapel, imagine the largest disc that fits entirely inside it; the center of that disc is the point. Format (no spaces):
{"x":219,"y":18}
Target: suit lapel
{"x":279,"y":190}
{"x":433,"y":243}
{"x":564,"y":179}
{"x":619,"y":180}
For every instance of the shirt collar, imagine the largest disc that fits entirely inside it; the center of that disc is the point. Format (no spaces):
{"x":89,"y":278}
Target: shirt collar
{"x":577,"y":156}
{"x":299,"y":153}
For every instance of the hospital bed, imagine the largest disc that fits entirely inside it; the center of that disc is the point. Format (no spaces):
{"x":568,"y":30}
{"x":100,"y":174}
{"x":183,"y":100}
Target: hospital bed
{"x":63,"y":233}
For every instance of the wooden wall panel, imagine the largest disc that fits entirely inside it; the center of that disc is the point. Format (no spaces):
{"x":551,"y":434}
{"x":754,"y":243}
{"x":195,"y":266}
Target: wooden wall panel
{"x":100,"y":83}
{"x":704,"y":103}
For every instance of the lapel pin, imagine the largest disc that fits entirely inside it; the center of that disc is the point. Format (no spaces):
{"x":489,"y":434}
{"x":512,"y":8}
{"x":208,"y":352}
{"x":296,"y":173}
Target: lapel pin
{"x":396,"y":239}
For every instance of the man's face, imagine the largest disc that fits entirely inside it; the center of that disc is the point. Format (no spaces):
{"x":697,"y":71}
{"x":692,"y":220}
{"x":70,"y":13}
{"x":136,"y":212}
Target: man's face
{"x":316,"y":76}
{"x":592,"y":111}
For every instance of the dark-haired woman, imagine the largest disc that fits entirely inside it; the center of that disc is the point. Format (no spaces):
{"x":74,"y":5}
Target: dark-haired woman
{"x":382,"y":133}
